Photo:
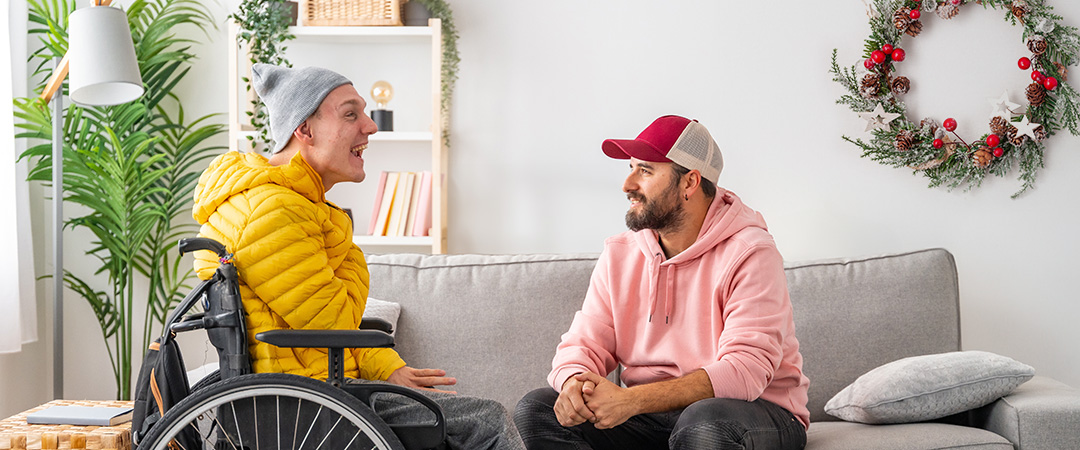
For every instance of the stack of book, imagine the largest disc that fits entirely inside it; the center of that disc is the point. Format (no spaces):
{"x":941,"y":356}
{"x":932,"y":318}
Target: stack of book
{"x":402,"y":205}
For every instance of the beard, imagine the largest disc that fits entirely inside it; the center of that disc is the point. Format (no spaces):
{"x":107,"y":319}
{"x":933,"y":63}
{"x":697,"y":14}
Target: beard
{"x":661,"y":213}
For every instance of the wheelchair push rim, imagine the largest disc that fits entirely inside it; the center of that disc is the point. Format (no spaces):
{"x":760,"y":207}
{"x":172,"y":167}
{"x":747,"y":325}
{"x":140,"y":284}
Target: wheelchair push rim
{"x":352,"y":424}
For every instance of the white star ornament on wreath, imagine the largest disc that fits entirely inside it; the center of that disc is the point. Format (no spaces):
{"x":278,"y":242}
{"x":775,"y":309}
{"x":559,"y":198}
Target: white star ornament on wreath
{"x":878,"y":118}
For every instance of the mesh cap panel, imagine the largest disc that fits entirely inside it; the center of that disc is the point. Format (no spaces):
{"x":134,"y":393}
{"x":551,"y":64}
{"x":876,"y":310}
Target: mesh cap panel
{"x":696,"y":150}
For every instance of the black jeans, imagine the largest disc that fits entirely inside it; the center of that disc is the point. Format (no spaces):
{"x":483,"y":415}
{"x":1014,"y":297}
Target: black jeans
{"x":715,"y":423}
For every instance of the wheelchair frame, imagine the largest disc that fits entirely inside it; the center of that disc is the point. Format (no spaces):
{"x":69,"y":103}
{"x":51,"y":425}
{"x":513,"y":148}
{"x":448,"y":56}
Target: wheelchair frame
{"x":223,"y":318}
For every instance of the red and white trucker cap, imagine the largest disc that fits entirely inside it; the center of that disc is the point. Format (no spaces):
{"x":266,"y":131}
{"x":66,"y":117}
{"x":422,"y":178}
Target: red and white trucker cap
{"x":672,"y":139}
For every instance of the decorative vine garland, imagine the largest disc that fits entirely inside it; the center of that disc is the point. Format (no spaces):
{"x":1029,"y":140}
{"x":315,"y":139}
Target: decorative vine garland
{"x":1016,"y":136}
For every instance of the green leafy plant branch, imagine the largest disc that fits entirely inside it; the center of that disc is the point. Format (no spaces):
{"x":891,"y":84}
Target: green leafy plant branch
{"x":131,"y":169}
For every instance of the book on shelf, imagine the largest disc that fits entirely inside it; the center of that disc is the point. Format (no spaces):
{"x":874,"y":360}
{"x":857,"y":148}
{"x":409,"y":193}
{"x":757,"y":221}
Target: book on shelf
{"x":80,"y":415}
{"x":399,"y":208}
{"x":422,"y":222}
{"x":413,"y":202}
{"x":387,"y":200}
{"x":378,"y":203}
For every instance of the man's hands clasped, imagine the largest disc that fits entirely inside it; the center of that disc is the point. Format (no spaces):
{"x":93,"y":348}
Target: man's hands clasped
{"x":590,"y":397}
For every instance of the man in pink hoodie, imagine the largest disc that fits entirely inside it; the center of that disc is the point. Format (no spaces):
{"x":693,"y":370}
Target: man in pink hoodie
{"x":692,"y":303}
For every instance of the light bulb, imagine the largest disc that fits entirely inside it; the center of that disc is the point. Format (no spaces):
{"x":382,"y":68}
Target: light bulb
{"x":382,"y":92}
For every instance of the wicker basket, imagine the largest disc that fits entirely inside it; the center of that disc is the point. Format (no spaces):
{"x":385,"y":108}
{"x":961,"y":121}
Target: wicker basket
{"x":16,"y":434}
{"x":351,"y":12}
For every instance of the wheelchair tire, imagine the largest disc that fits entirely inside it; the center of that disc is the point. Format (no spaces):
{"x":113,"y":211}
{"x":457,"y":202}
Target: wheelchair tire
{"x":270,"y":412}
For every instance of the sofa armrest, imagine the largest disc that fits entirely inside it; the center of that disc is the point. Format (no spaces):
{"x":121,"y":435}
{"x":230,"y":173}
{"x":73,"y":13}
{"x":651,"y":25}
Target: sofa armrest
{"x":1041,"y":414}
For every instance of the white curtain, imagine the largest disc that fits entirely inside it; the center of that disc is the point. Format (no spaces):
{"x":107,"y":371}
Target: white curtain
{"x":18,"y":303}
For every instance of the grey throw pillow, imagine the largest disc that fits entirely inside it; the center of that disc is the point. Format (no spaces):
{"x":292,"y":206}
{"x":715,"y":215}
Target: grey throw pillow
{"x":928,"y":387}
{"x":381,"y":309}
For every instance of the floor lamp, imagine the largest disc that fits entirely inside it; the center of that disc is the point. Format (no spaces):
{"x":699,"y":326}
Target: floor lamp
{"x":104,"y":71}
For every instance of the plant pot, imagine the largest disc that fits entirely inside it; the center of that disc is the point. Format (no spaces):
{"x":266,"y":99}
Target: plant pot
{"x":416,"y":14}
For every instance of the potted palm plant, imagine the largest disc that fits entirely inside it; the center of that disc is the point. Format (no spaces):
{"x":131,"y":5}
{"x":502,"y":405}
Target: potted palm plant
{"x":132,"y":169}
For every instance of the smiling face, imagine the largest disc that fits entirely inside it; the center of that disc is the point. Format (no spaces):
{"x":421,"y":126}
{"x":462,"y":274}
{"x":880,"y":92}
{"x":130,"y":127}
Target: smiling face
{"x":339,"y":135}
{"x":653,"y":191}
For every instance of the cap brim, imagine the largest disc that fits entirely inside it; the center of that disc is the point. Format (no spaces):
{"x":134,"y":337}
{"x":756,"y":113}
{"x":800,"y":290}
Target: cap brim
{"x":632,"y":148}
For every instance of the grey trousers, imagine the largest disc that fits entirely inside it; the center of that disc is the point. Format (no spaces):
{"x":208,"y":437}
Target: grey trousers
{"x":472,"y":423}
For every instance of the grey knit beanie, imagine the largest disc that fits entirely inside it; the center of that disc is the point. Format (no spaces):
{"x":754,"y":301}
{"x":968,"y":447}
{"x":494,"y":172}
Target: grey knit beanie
{"x":291,"y":96}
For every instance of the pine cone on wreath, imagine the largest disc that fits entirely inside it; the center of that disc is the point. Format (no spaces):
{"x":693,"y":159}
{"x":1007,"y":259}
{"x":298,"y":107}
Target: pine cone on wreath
{"x":905,"y":140}
{"x":1037,"y":45}
{"x":1062,"y":71}
{"x":982,"y":158}
{"x":914,"y":28}
{"x":947,"y":10}
{"x":929,"y":125}
{"x":902,"y":19}
{"x":1001,"y":127}
{"x":900,"y":85}
{"x":871,"y":85}
{"x":1036,"y":94}
{"x":1020,"y":8}
{"x":1018,"y":140}
{"x":1041,"y":134}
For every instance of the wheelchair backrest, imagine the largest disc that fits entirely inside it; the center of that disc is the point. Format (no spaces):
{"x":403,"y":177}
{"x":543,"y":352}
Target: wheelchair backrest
{"x":163,"y":381}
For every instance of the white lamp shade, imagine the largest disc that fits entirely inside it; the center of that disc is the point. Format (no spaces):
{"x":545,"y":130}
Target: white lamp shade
{"x":104,"y":70}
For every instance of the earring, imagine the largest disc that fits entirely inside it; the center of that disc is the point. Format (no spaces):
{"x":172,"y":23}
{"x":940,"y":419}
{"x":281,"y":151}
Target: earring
{"x":686,"y":197}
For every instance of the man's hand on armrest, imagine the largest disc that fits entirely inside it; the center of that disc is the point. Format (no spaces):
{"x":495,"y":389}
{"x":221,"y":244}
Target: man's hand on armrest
{"x":424,"y":379}
{"x":612,"y":405}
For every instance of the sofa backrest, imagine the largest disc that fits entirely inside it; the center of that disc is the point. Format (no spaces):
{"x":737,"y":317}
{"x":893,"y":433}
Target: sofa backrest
{"x":852,"y":315}
{"x":493,"y":321}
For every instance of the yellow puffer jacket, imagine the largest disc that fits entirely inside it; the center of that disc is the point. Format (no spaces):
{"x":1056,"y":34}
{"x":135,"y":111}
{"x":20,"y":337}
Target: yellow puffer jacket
{"x":293,"y":250}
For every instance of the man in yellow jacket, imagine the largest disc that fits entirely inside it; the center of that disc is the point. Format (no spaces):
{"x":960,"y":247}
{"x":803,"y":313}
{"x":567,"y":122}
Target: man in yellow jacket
{"x":293,"y":249}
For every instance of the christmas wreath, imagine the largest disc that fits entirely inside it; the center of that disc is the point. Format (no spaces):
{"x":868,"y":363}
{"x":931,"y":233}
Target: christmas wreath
{"x":1016,"y":136}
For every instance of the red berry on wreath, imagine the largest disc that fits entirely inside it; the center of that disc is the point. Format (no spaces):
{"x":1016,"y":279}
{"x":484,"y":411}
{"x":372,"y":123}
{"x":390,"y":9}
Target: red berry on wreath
{"x":868,"y":63}
{"x":993,"y":140}
{"x":1037,"y":76}
{"x":955,"y":2}
{"x":1024,"y":63}
{"x":898,"y":55}
{"x":877,"y":56}
{"x":887,"y":48}
{"x":999,"y":152}
{"x":949,"y":124}
{"x":1050,"y":83}
{"x":938,"y":143}
{"x":915,"y":14}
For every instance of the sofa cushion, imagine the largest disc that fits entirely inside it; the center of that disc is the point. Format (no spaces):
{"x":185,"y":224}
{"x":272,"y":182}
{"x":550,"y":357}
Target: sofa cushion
{"x":380,"y":309}
{"x":857,"y":436}
{"x":855,"y":314}
{"x":928,"y":387}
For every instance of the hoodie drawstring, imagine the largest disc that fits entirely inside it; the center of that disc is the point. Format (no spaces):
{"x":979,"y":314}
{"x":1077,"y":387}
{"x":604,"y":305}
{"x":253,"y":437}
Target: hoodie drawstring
{"x":654,"y":275}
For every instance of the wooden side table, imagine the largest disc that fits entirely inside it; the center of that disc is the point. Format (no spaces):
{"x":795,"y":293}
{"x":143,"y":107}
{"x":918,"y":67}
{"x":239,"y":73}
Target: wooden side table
{"x":16,"y":434}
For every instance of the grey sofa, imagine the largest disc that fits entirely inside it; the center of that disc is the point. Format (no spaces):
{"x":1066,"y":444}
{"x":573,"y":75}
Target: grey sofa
{"x":494,"y":322}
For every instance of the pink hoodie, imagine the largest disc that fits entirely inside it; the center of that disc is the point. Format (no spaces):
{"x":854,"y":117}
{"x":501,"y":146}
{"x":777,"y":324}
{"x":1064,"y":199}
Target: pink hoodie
{"x":721,"y":305}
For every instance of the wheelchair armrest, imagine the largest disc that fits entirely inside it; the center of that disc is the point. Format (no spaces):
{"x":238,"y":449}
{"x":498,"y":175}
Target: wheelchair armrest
{"x":327,"y":338}
{"x":412,"y":435}
{"x":373,"y":323}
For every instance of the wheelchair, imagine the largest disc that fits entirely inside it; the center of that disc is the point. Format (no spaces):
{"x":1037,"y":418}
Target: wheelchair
{"x":234,"y":409}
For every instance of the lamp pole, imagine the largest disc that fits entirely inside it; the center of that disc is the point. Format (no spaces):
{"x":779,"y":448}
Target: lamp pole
{"x":58,"y":238}
{"x":107,"y":73}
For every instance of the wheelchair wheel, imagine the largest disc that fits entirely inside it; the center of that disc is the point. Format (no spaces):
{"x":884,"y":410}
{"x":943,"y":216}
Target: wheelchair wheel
{"x":270,"y":412}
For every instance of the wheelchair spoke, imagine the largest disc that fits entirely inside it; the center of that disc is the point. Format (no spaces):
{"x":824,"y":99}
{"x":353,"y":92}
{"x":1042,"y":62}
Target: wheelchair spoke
{"x":329,"y":433}
{"x":223,"y":431}
{"x":239,"y":436}
{"x":255,"y":421}
{"x":310,"y":427}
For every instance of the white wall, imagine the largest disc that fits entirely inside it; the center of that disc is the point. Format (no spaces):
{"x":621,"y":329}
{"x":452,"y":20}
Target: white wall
{"x":543,"y":83}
